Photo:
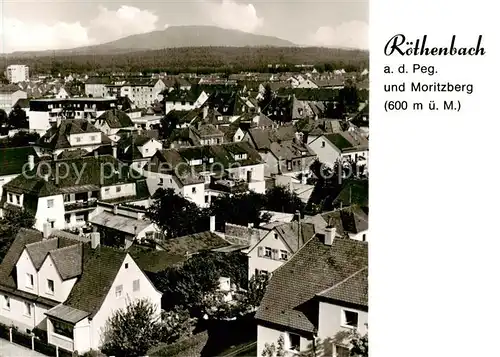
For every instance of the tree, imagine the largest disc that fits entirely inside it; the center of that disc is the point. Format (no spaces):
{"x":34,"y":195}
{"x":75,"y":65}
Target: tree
{"x":17,"y":118}
{"x":132,"y":331}
{"x":256,"y":290}
{"x":270,"y":350}
{"x":267,"y":97}
{"x":175,"y":215}
{"x":4,"y":122}
{"x":281,"y":199}
{"x":10,"y":225}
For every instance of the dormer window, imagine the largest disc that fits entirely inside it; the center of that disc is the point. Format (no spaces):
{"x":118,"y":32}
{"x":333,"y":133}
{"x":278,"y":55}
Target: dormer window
{"x":240,"y":156}
{"x":30,"y":281}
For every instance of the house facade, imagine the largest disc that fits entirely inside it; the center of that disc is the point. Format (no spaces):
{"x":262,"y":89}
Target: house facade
{"x":9,"y":95}
{"x":305,"y":302}
{"x":184,"y":100}
{"x":56,"y":284}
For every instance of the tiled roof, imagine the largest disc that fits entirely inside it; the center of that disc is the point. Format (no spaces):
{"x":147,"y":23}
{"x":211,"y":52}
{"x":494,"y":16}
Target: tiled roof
{"x":12,"y":160}
{"x":9,"y":88}
{"x":194,"y":243}
{"x":289,"y":299}
{"x":57,"y":136}
{"x":154,"y":261}
{"x":353,"y":290}
{"x":295,"y":236}
{"x":120,"y":223}
{"x":68,"y":260}
{"x":350,"y":220}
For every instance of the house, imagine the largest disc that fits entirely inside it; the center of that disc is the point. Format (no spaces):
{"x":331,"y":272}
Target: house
{"x":68,"y":287}
{"x":184,"y":100}
{"x":344,"y":147}
{"x":198,"y":173}
{"x":45,"y":112}
{"x":205,"y":134}
{"x":95,"y":87}
{"x":71,"y":134}
{"x":304,"y":301}
{"x":277,"y":246}
{"x":230,"y":104}
{"x":137,"y":150}
{"x":112,"y":121}
{"x":65,"y":192}
{"x":9,"y":95}
{"x":143,"y":92}
{"x":126,"y":221}
{"x":351,"y":222}
{"x":15,"y":161}
{"x":16,"y":73}
{"x":24,"y":104}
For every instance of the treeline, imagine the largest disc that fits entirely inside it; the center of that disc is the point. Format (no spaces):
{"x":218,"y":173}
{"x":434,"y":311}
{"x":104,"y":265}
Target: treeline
{"x":197,"y":60}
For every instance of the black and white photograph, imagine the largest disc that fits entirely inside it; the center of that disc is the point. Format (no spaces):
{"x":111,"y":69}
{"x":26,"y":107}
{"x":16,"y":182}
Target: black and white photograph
{"x":184,"y":179}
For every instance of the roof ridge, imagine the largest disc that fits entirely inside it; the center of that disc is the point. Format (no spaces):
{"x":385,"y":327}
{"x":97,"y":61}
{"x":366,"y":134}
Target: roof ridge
{"x":40,"y":242}
{"x":65,"y":248}
{"x":343,"y":281}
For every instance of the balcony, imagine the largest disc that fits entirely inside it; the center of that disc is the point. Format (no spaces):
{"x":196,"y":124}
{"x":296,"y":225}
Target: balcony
{"x":61,"y":341}
{"x":80,"y":205}
{"x":229,"y":186}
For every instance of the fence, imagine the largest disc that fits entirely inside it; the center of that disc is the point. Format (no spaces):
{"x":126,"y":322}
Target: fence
{"x":32,"y":342}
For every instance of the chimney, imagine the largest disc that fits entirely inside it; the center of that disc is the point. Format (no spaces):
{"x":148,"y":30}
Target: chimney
{"x":115,"y":152}
{"x":205,"y":112}
{"x":46,"y":230}
{"x":115,"y":209}
{"x":31,"y":162}
{"x":329,"y":235}
{"x":95,"y":240}
{"x":303,"y":179}
{"x":212,"y":224}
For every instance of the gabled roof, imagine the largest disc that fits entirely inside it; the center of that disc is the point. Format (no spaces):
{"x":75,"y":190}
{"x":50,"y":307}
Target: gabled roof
{"x":57,"y":136}
{"x":12,"y":160}
{"x":347,"y":141}
{"x":295,"y":235}
{"x":9,"y":88}
{"x":349,"y":220}
{"x":68,"y":260}
{"x":194,"y":243}
{"x":80,"y":172}
{"x":289,"y":300}
{"x":120,"y":223}
{"x":116,"y":119}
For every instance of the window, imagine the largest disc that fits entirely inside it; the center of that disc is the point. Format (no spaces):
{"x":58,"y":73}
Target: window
{"x":78,"y":139}
{"x":364,"y":237}
{"x":126,"y":265}
{"x":135,"y":285}
{"x":118,"y":189}
{"x":62,"y":328}
{"x":106,"y":190}
{"x":27,"y":309}
{"x":146,"y":150}
{"x":50,"y":286}
{"x":50,"y":203}
{"x":193,"y":190}
{"x":206,"y":198}
{"x":52,"y":224}
{"x":11,"y":198}
{"x":284,"y":255}
{"x":160,"y":183}
{"x":341,"y":351}
{"x":92,"y":138}
{"x":29,"y":281}
{"x":294,"y":342}
{"x":349,"y":319}
{"x":275,"y":235}
{"x":18,"y":199}
{"x":119,"y":291}
{"x":268,"y":252}
{"x":6,"y":302}
{"x":323,"y":144}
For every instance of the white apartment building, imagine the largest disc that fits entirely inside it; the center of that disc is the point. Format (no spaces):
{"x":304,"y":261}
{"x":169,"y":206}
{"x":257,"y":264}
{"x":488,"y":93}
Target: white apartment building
{"x":16,"y":73}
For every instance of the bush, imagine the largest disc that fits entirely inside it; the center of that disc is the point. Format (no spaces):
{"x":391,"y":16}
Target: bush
{"x":4,"y":331}
{"x":42,"y":347}
{"x":21,"y":338}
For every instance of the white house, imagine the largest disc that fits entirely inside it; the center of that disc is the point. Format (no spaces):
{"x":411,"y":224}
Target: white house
{"x":9,"y":95}
{"x":184,"y":100}
{"x":143,"y":92}
{"x":342,"y":147}
{"x":112,"y":121}
{"x":58,"y":283}
{"x":137,"y":150}
{"x":277,"y":247}
{"x":199,"y":173}
{"x":16,"y":73}
{"x":321,"y":291}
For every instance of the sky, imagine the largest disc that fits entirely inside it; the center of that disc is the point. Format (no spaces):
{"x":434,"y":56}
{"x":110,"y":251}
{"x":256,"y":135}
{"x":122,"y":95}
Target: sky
{"x":61,"y":24}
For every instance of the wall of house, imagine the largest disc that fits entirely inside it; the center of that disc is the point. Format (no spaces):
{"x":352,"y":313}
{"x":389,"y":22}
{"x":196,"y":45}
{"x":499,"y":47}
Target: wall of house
{"x":198,"y":196}
{"x":95,"y":90}
{"x":117,"y":191}
{"x":25,"y":266}
{"x":84,"y":139}
{"x":61,"y":288}
{"x":361,"y":236}
{"x":330,"y":320}
{"x":271,"y":336}
{"x":150,"y":148}
{"x":239,"y":135}
{"x":271,"y":240}
{"x":39,"y":121}
{"x":15,"y":199}
{"x":154,"y":183}
{"x":82,"y":336}
{"x":45,"y":214}
{"x":125,"y":278}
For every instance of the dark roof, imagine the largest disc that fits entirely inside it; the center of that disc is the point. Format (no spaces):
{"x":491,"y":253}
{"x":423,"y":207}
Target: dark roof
{"x":116,"y":119}
{"x":81,"y":172}
{"x":23,"y":103}
{"x":154,"y":261}
{"x":339,"y":141}
{"x":100,"y":267}
{"x":12,"y":160}
{"x":352,"y":219}
{"x":98,"y":80}
{"x":289,"y":299}
{"x":355,"y":192}
{"x":194,"y":243}
{"x":291,"y":233}
{"x":9,"y":88}
{"x":353,"y":290}
{"x":57,"y":136}
{"x":68,"y":261}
